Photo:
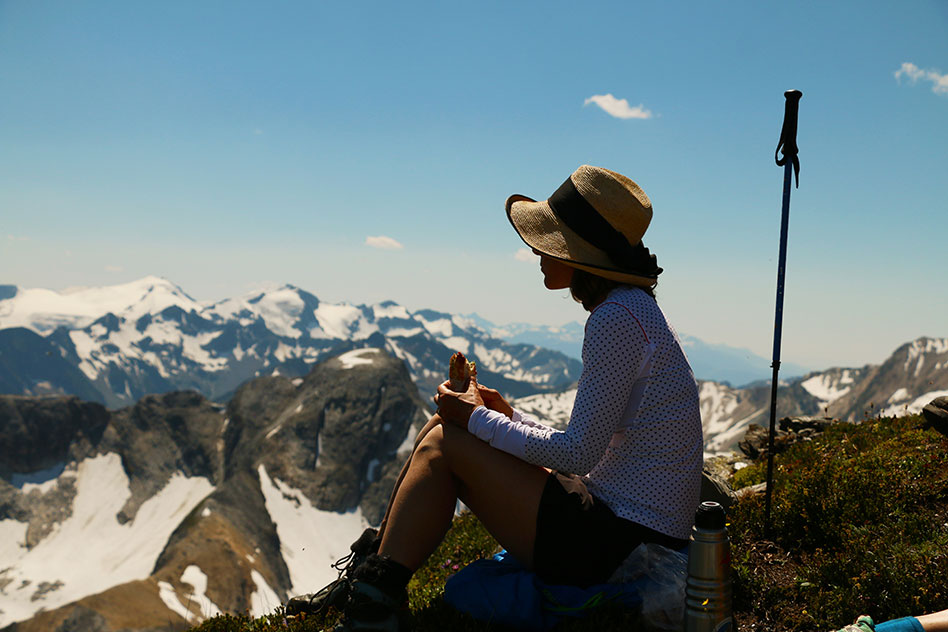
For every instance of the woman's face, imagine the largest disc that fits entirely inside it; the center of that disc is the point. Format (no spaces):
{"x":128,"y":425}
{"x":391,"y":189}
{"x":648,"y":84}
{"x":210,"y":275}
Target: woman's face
{"x":556,"y":274}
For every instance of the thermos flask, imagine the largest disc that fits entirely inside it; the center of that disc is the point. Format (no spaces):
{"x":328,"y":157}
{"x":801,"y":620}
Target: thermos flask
{"x":708,"y":589}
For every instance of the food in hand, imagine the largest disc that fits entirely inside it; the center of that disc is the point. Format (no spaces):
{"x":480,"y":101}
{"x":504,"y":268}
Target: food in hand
{"x":460,"y":372}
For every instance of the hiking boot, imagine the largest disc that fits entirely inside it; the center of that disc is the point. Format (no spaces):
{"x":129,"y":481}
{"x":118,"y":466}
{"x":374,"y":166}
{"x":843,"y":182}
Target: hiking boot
{"x":369,"y":609}
{"x":863,"y":624}
{"x":336,"y":592}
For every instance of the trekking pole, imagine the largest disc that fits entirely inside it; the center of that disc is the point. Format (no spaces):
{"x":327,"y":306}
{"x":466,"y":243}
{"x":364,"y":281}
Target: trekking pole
{"x":791,"y":166}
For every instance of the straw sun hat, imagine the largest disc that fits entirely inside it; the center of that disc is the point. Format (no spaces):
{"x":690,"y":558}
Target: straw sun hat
{"x":595,"y":222}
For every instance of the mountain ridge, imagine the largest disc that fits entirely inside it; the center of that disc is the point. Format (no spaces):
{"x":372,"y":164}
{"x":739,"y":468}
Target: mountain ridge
{"x":149,"y":335}
{"x":155,"y":338}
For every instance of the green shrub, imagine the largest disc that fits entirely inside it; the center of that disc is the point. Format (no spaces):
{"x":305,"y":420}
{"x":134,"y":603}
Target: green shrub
{"x":859,"y":526}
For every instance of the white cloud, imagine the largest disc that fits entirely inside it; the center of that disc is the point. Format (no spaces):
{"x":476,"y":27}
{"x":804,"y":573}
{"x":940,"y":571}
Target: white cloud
{"x":383,"y":243}
{"x":618,"y":108}
{"x":525,"y":254}
{"x":914,"y":73}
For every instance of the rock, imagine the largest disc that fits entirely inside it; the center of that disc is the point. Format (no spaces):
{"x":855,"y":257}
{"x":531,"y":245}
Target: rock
{"x":751,"y":490}
{"x":162,"y":435}
{"x":38,"y":433}
{"x":83,"y":619}
{"x":790,"y":430}
{"x":755,"y":441}
{"x":801,"y":424}
{"x":715,"y":488}
{"x":936,"y":415}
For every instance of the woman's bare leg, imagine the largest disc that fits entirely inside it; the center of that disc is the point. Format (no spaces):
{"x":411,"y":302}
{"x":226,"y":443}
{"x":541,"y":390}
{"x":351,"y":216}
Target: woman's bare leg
{"x":449,"y":463}
{"x":934,"y":622}
{"x":434,"y":421}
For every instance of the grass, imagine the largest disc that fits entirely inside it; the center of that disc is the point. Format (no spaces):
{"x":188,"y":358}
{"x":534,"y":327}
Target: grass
{"x":860,"y":525}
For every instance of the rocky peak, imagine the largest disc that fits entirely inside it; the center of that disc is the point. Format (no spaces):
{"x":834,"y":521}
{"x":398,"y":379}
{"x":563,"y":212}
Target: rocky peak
{"x":40,"y":433}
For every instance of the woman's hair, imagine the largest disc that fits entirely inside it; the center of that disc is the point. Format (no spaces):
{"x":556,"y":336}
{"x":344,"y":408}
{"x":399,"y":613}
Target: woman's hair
{"x":591,"y":289}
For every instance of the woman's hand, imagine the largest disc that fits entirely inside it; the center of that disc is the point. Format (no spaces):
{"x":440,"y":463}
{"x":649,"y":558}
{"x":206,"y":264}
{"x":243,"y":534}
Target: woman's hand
{"x":456,"y":408}
{"x":495,"y":401}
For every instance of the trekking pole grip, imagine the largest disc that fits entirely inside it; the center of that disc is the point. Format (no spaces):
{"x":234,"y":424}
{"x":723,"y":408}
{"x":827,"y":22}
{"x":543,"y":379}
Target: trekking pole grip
{"x":788,"y":133}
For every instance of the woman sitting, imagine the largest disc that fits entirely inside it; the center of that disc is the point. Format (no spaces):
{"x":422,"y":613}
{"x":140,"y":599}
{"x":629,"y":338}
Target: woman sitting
{"x":570,"y":504}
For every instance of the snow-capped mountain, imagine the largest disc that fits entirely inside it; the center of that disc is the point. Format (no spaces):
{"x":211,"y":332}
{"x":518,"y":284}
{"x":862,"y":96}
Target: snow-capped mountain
{"x":915,"y":374}
{"x":149,"y":336}
{"x":174,"y":509}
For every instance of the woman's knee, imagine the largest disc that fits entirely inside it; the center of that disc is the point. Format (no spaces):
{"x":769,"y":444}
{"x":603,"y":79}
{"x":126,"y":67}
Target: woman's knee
{"x":433,"y":422}
{"x":442,"y":441}
{"x":431,"y":445}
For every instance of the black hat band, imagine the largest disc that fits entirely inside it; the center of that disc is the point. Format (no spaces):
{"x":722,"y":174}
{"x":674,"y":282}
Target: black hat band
{"x":582,"y":218}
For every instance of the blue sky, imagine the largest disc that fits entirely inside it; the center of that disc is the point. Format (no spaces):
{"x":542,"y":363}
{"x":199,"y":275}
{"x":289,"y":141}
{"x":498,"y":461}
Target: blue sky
{"x":233,"y":145}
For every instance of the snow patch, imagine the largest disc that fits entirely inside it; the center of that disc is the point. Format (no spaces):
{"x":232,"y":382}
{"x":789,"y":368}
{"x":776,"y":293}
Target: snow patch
{"x":463,"y":322}
{"x":390,"y":310}
{"x":279,"y":309}
{"x":914,"y":407}
{"x":263,"y":600}
{"x":457,"y":343}
{"x":899,"y":395}
{"x":44,"y":310}
{"x":550,"y":409}
{"x":198,"y":580}
{"x":310,"y":539}
{"x":827,"y":389}
{"x":730,"y":434}
{"x":343,"y":321}
{"x":90,"y":551}
{"x":170,"y":597}
{"x":404,"y":332}
{"x":441,"y":327}
{"x":358,"y":356}
{"x":12,"y":542}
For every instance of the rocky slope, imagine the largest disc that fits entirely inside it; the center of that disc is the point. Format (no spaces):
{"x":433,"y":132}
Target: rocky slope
{"x":123,"y":342}
{"x":177,"y":508}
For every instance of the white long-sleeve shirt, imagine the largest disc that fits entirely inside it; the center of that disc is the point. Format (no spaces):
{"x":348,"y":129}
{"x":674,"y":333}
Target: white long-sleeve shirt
{"x":635,"y":429}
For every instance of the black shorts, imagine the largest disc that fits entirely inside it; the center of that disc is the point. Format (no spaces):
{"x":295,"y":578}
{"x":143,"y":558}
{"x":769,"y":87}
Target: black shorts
{"x":579,"y":540}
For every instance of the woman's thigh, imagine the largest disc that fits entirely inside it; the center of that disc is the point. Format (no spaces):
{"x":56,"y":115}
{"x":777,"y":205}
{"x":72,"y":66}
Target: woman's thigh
{"x":503,"y":491}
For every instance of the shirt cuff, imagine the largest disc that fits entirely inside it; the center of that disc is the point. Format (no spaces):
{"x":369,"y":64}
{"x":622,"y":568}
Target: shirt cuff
{"x":498,"y":430}
{"x":525,"y":419}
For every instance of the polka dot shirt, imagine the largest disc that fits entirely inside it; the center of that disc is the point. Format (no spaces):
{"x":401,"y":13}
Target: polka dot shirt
{"x":635,"y":429}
